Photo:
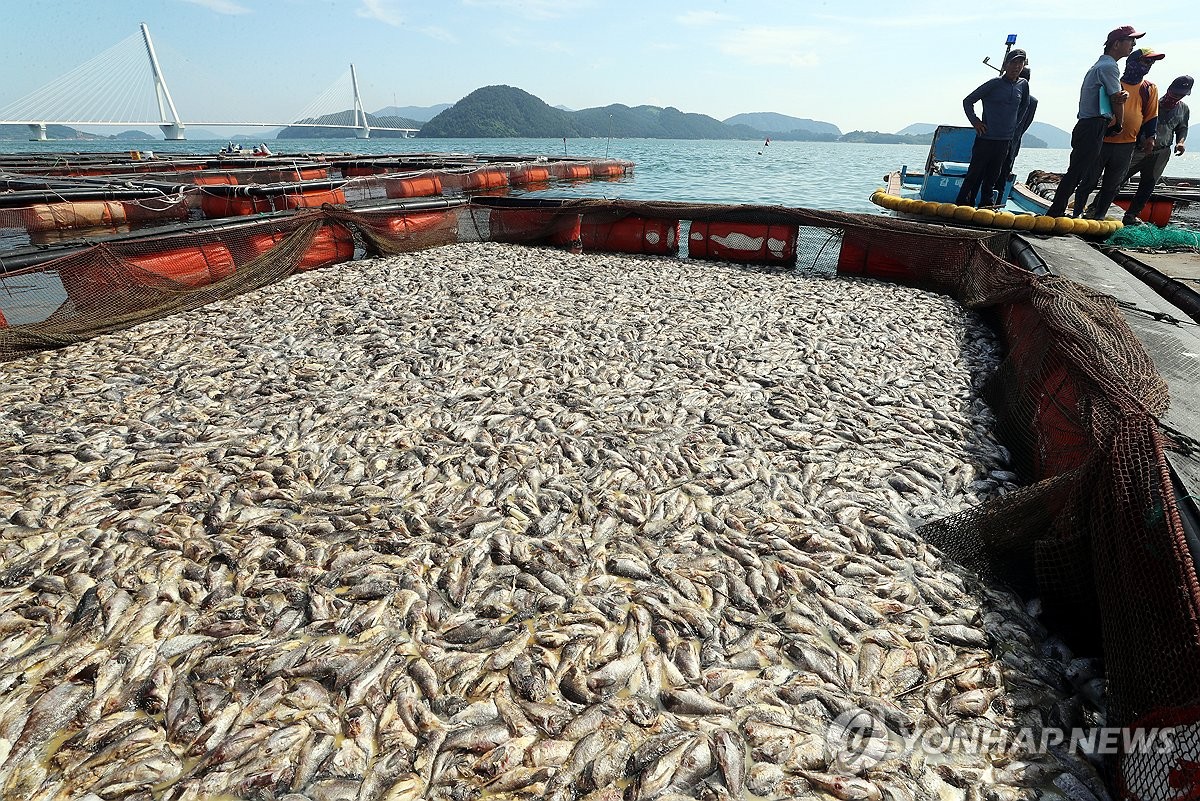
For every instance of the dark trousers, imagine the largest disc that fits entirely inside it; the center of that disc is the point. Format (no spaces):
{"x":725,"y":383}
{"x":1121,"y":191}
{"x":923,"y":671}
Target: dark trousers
{"x":1150,"y":166}
{"x":987,"y":159}
{"x":1014,"y":148}
{"x":1113,"y":163}
{"x":1086,"y":139}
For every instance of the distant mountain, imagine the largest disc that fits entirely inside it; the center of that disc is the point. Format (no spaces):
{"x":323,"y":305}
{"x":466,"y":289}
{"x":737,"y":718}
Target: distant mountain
{"x":772,"y":123}
{"x":1040,"y":134}
{"x":505,"y":111}
{"x":135,"y":135}
{"x":18,"y":132}
{"x":652,"y":122}
{"x":918,"y":128}
{"x":346,"y":118}
{"x":1051,"y":135}
{"x":877,"y":138}
{"x":500,"y":111}
{"x":268,"y":133}
{"x":418,"y":113}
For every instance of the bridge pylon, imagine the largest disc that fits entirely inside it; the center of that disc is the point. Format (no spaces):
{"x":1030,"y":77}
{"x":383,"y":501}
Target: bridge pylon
{"x":363,"y":129}
{"x":172,"y":129}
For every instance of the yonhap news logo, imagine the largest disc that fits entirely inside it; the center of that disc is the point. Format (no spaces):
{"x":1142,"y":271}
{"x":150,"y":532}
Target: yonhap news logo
{"x":858,"y":739}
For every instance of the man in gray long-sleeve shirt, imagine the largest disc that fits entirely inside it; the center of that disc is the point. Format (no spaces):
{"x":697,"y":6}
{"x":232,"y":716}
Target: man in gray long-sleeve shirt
{"x":1172,"y":131}
{"x":1005,"y":100}
{"x":1101,"y":112}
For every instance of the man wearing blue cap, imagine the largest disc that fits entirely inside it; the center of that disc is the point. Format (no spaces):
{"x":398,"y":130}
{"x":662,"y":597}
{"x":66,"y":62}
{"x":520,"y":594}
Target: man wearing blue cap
{"x":1101,"y":111}
{"x":1005,"y":100}
{"x":1172,"y":132}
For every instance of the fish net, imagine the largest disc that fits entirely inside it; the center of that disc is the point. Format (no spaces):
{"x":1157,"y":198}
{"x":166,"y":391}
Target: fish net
{"x":1096,"y":531}
{"x":1151,"y":237}
{"x":110,"y":286}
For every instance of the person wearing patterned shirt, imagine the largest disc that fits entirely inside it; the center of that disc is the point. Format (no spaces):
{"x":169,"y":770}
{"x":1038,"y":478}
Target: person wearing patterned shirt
{"x":1173,"y":116}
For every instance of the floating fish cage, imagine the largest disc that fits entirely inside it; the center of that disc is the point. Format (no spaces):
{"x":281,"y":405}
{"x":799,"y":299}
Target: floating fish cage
{"x":1100,"y":529}
{"x":101,"y":194}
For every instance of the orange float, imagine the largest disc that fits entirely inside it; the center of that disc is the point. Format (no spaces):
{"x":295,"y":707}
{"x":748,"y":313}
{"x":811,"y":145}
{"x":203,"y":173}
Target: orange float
{"x":607,"y":169}
{"x":529,"y":174}
{"x":92,"y":213}
{"x":195,"y":266}
{"x":332,"y":244}
{"x":75,"y":214}
{"x":420,"y":186}
{"x":406,"y":225}
{"x":215,"y":206}
{"x":1155,"y":211}
{"x":214,"y":180}
{"x":485,"y":178}
{"x":314,"y":199}
{"x":570,"y":172}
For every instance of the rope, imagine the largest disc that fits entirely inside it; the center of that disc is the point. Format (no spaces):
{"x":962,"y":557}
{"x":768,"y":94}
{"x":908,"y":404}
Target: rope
{"x":110,"y":80}
{"x":1157,"y":316}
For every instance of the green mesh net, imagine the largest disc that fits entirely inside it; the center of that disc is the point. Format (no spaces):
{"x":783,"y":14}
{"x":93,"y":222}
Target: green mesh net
{"x":1151,"y":236}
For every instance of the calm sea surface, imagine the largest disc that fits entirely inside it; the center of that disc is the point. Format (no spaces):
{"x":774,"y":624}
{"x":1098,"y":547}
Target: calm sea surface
{"x":822,"y":175}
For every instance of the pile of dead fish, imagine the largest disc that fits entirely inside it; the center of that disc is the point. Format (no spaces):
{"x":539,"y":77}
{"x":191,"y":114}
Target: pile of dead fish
{"x":487,"y":521}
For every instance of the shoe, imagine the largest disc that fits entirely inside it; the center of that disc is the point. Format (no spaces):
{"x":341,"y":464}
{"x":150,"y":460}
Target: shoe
{"x":1127,"y":220}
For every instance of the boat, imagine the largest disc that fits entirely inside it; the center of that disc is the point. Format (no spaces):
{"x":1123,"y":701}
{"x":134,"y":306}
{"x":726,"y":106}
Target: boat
{"x":929,"y":194}
{"x":1172,"y":197}
{"x":1107,"y":530}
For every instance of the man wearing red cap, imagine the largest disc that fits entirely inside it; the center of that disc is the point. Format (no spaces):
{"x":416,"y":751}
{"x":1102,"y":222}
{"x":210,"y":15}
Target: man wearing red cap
{"x":1140,"y":128}
{"x":1172,"y":132}
{"x":1101,"y":110}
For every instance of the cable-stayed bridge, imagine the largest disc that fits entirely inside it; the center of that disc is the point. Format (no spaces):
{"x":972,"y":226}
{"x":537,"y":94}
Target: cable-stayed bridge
{"x":125,"y":86}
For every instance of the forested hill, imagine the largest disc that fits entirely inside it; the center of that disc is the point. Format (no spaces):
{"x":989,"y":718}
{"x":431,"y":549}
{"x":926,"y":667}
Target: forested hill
{"x":501,"y":111}
{"x":505,"y":111}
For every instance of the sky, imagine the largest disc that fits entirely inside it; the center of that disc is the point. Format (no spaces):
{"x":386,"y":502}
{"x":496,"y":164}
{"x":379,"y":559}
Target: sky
{"x":859,"y":64}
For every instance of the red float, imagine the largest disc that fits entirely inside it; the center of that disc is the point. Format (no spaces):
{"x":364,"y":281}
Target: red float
{"x":632,"y":234}
{"x":742,"y":242}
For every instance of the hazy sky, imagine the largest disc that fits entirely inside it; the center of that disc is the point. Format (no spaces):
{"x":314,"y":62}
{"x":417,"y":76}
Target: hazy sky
{"x":860,"y":64}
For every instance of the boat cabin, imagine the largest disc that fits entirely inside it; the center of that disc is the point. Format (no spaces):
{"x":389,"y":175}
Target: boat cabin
{"x":946,"y":166}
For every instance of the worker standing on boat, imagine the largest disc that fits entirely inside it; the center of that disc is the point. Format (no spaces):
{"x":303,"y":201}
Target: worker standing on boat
{"x":1173,"y":116}
{"x":1014,"y":146}
{"x":1101,"y":111}
{"x":1005,"y":100}
{"x":1139,"y":132}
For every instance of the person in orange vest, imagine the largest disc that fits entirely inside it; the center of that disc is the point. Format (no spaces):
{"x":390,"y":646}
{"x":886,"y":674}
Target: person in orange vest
{"x":1172,"y":132}
{"x":1139,"y":130}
